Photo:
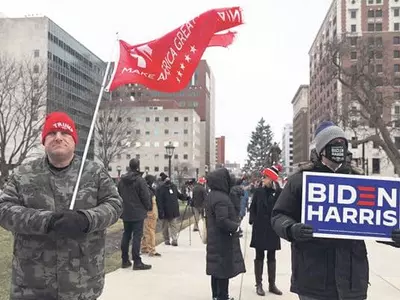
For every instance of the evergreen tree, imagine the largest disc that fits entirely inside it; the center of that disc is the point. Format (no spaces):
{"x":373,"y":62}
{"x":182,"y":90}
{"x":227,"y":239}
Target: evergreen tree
{"x":259,"y":147}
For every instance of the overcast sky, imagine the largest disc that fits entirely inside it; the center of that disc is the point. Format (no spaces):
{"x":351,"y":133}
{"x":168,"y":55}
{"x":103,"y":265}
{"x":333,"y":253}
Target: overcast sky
{"x":256,"y":77}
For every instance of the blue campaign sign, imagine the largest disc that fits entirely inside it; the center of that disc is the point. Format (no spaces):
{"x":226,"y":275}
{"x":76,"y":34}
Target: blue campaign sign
{"x":351,"y":206}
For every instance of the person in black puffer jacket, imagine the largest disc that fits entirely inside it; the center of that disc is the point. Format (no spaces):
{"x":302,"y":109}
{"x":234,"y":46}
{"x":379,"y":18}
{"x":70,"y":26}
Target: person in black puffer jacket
{"x":322,"y":268}
{"x":224,"y":256}
{"x":136,"y":203}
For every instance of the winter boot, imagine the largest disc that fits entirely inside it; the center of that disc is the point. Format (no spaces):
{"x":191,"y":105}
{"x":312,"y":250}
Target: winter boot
{"x":139,"y":266}
{"x":272,"y":277}
{"x":258,"y":271}
{"x":126,"y":264}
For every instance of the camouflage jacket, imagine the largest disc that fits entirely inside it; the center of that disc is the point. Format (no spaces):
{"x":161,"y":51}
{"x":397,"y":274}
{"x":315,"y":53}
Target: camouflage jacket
{"x":46,"y":266}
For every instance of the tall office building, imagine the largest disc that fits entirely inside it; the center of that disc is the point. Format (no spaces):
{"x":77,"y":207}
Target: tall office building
{"x":367,"y":24}
{"x":74,"y":73}
{"x":220,"y":150}
{"x":300,"y":125}
{"x":287,"y":148}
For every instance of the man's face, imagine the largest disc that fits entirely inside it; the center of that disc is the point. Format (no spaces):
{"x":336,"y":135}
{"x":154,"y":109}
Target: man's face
{"x":59,"y":145}
{"x":267,"y":181}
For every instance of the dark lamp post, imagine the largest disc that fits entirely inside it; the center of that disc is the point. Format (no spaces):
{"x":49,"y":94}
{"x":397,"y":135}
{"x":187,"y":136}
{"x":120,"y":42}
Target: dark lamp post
{"x":169,"y":150}
{"x":119,"y":171}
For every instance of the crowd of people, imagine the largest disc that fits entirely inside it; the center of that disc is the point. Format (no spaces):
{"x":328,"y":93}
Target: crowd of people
{"x":59,"y":252}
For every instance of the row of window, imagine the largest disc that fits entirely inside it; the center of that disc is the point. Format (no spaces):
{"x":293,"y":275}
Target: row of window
{"x":156,"y":119}
{"x":156,"y":156}
{"x":148,"y":144}
{"x":156,"y":169}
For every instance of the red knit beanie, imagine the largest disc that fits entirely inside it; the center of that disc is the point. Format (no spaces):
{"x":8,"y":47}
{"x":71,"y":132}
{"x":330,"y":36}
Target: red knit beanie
{"x":59,"y":121}
{"x":272,"y":173}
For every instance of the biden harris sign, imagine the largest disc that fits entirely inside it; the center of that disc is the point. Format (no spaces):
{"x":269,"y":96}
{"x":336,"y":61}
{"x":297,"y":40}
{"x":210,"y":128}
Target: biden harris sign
{"x":351,"y":206}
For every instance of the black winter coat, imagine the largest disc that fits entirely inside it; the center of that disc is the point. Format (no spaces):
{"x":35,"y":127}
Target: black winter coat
{"x":322,"y":268}
{"x":167,"y":201}
{"x":135,"y":196}
{"x":224,"y":256}
{"x":263,"y":237}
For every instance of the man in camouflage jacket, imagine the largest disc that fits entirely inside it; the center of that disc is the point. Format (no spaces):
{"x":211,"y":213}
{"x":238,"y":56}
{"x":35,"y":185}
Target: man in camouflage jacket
{"x":58,"y":253}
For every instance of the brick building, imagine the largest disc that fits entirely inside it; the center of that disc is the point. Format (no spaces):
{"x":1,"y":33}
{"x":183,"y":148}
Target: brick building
{"x":366,"y":26}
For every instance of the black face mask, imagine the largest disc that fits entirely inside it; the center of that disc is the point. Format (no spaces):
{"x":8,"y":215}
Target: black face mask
{"x":336,"y":152}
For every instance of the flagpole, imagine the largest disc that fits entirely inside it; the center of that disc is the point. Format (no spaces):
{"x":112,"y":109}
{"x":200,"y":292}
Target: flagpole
{"x":92,"y":126}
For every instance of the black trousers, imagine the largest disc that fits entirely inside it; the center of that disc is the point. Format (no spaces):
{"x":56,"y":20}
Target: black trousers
{"x":132,"y":230}
{"x":271,"y":255}
{"x":219,"y":288}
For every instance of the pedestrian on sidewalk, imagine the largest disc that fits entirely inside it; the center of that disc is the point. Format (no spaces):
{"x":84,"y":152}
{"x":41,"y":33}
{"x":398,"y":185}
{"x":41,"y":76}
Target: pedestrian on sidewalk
{"x":236,"y":194}
{"x":323,"y":268}
{"x":168,"y":209}
{"x":150,"y":223}
{"x":263,"y":236}
{"x":58,"y":253}
{"x":198,"y":201}
{"x":224,"y":256}
{"x":136,"y":203}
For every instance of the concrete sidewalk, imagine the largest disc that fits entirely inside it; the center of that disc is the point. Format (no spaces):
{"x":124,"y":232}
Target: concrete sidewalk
{"x":180,"y":274}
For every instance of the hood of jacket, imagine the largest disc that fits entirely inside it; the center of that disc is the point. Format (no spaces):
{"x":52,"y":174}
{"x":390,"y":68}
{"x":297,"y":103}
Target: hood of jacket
{"x":131,"y":176}
{"x":219,"y":180}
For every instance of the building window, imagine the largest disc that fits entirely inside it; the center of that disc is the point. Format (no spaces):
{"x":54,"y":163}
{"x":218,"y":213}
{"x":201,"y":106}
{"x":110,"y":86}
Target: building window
{"x":166,"y":119}
{"x":353,"y":55}
{"x":396,"y":26}
{"x":376,"y":166}
{"x":396,"y":40}
{"x":379,"y":68}
{"x":176,"y":119}
{"x":166,"y":131}
{"x":396,"y":67}
{"x":147,"y":119}
{"x":157,"y":119}
{"x":378,"y":14}
{"x":165,"y":169}
{"x":353,"y":14}
{"x":353,"y":28}
{"x":371,"y":26}
{"x":156,"y":144}
{"x":378,"y":27}
{"x":185,"y":156}
{"x":36,"y":53}
{"x":176,"y":156}
{"x":396,"y":12}
{"x":156,"y":169}
{"x":36,"y":69}
{"x":147,"y":144}
{"x":137,"y":131}
{"x":185,"y":144}
{"x":185,"y":119}
{"x":147,"y":132}
{"x":185,"y":131}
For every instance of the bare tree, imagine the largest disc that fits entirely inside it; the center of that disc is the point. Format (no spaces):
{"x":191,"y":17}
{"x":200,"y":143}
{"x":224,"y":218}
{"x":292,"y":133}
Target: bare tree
{"x":370,"y":86}
{"x":115,"y":132}
{"x":23,"y":94}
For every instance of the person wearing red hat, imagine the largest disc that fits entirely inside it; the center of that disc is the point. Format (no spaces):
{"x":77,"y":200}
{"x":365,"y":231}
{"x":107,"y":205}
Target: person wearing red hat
{"x":49,"y":238}
{"x":263,"y":236}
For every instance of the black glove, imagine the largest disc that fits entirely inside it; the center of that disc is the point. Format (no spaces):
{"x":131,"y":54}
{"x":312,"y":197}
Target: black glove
{"x":396,"y":236}
{"x":71,"y":224}
{"x":301,"y":232}
{"x":55,"y":217}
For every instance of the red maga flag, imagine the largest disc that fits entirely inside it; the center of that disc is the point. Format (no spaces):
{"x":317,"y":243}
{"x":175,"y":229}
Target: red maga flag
{"x":168,"y":63}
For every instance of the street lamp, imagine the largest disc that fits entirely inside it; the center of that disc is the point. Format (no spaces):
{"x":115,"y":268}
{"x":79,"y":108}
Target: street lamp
{"x":119,"y":171}
{"x":169,"y":150}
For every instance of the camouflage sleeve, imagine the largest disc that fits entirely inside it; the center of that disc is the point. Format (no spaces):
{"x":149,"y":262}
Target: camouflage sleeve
{"x":109,"y":207}
{"x":17,"y":218}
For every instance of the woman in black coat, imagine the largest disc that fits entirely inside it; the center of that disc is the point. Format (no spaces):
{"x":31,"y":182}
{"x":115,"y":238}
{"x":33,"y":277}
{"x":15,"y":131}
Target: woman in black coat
{"x":224,"y":256}
{"x":263,"y":236}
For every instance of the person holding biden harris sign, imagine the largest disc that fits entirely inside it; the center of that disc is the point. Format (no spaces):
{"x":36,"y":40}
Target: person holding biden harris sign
{"x":322,"y":268}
